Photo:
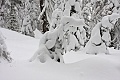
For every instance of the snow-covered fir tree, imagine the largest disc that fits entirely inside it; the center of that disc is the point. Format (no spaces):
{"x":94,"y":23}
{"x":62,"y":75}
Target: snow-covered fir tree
{"x":13,"y":20}
{"x":29,"y":20}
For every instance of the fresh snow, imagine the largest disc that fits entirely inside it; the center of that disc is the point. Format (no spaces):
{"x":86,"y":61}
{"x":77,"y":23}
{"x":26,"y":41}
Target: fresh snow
{"x":38,"y":34}
{"x":78,"y":65}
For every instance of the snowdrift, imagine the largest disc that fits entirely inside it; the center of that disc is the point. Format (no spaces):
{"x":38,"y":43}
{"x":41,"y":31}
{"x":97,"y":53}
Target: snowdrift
{"x":79,"y":66}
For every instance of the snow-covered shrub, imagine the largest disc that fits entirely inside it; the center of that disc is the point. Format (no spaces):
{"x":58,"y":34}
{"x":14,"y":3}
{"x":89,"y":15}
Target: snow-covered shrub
{"x":75,"y":26}
{"x":3,"y":49}
{"x":96,"y":44}
{"x":51,"y":45}
{"x":53,"y":41}
{"x":109,"y":22}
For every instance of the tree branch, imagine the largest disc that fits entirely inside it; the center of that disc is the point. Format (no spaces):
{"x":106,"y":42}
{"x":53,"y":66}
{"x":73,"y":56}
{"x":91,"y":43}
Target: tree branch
{"x":42,"y":12}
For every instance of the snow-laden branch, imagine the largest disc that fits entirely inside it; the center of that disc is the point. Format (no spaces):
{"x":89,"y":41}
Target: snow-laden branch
{"x":42,"y":12}
{"x":48,"y":5}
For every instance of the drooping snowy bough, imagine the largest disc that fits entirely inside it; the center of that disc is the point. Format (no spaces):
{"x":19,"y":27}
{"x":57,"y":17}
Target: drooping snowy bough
{"x":53,"y":42}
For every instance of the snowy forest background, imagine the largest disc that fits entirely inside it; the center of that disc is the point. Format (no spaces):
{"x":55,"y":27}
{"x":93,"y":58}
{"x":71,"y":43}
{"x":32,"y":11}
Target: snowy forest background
{"x":64,"y":27}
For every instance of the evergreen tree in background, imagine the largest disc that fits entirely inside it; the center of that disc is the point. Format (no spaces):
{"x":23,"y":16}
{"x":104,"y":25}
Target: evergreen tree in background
{"x":13,"y":22}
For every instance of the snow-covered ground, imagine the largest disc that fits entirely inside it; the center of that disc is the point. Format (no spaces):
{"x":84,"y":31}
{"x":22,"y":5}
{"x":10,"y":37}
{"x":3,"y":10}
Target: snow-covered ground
{"x":79,"y":66}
